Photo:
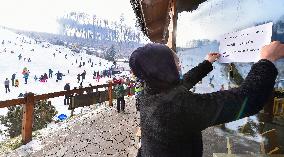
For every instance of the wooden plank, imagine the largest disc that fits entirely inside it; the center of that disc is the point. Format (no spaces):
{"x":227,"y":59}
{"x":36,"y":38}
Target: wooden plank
{"x":12,"y":102}
{"x":88,"y":99}
{"x":28,"y":110}
{"x":70,"y":92}
{"x":110,"y":93}
{"x":20,"y":101}
{"x":171,"y":42}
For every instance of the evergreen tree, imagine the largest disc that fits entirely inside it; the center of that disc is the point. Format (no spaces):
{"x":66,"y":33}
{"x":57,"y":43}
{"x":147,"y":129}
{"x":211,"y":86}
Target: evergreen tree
{"x":110,"y":53}
{"x":43,"y":114}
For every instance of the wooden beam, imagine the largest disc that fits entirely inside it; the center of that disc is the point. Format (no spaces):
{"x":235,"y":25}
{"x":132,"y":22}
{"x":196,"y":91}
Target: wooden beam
{"x":171,"y":41}
{"x":12,"y":102}
{"x":110,"y":93}
{"x":27,"y":124}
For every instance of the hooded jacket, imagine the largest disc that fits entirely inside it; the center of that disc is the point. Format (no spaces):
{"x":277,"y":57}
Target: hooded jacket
{"x":172,"y":119}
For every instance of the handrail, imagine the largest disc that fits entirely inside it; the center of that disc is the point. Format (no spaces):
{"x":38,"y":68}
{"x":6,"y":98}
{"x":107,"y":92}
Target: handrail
{"x":28,"y":103}
{"x":19,"y":101}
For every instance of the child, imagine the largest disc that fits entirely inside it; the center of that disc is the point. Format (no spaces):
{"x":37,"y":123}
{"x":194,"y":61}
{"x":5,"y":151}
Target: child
{"x":16,"y":83}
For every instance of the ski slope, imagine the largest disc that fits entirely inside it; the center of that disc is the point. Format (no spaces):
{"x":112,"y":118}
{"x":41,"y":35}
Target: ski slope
{"x":42,"y":59}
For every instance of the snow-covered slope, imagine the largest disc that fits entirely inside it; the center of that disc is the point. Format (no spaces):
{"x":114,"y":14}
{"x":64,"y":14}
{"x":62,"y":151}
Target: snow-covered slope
{"x":42,"y":59}
{"x":190,"y":58}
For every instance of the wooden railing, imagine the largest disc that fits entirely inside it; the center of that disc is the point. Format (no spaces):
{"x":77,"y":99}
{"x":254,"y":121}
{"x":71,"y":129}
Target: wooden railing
{"x":29,"y":100}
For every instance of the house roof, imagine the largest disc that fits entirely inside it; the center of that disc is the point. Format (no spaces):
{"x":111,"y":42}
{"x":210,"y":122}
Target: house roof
{"x":153,"y":16}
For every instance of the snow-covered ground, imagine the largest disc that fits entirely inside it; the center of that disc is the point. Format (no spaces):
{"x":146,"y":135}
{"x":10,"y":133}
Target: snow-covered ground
{"x":42,"y":59}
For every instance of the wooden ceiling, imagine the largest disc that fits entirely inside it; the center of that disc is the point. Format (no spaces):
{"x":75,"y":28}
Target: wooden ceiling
{"x":153,"y":16}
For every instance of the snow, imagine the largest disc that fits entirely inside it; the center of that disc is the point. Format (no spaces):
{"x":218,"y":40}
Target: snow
{"x":42,"y":60}
{"x":190,"y":58}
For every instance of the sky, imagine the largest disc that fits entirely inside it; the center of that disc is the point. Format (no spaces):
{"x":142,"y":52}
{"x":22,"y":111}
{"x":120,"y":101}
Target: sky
{"x":41,"y":15}
{"x":211,"y":19}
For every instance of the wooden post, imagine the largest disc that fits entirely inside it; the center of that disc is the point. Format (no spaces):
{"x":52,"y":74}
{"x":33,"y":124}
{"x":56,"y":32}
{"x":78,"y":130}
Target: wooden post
{"x":27,"y":124}
{"x":172,"y":25}
{"x":110,"y":93}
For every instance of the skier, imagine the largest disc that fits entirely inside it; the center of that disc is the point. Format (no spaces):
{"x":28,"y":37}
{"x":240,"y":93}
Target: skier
{"x":35,"y":78}
{"x":83,"y":75}
{"x":20,"y":56}
{"x":45,"y":77}
{"x":41,"y":78}
{"x":6,"y":83}
{"x":26,"y":74}
{"x":13,"y":78}
{"x":65,"y":56}
{"x":98,"y":78}
{"x":50,"y":73}
{"x":59,"y":76}
{"x":78,"y":77}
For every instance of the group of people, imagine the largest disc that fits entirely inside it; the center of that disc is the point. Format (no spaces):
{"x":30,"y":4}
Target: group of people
{"x":81,"y":77}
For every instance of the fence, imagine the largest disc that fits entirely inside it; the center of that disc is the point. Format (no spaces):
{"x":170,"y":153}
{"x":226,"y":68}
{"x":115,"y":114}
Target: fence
{"x":29,"y":100}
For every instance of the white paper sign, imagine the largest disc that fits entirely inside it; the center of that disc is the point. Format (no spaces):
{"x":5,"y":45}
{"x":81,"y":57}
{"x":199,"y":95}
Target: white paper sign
{"x":244,"y":45}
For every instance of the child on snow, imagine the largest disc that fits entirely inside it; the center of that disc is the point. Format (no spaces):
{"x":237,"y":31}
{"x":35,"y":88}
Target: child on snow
{"x":16,"y":83}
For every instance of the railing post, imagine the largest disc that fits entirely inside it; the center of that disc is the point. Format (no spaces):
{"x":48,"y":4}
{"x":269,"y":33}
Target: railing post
{"x":27,"y":124}
{"x":110,"y":93}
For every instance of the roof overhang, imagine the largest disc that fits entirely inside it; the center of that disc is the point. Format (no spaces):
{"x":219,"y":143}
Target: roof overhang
{"x":154,"y":18}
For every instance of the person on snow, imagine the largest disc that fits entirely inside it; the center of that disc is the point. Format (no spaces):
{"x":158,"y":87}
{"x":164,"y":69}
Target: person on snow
{"x":35,"y":78}
{"x":41,"y":78}
{"x":16,"y":83}
{"x":98,"y":78}
{"x":13,"y":79}
{"x":83,"y":75}
{"x":67,"y":97}
{"x":45,"y":76}
{"x":78,"y":77}
{"x":119,"y":92}
{"x":6,"y":83}
{"x":94,"y":75}
{"x":172,"y":117}
{"x":26,"y":74}
{"x":59,"y":75}
{"x":50,"y":73}
{"x":20,"y":56}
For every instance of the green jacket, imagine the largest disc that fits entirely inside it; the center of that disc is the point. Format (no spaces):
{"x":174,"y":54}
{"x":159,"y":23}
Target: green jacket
{"x":119,"y":91}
